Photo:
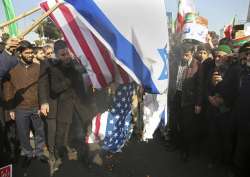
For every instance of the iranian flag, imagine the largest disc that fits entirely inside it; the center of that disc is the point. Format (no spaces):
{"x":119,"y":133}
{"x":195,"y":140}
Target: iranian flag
{"x":184,"y":7}
{"x":228,"y":30}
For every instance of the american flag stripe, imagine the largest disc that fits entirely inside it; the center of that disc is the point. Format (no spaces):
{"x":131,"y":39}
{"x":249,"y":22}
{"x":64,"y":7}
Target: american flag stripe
{"x":123,"y":77}
{"x":81,"y":38}
{"x":70,"y":38}
{"x":85,"y":45}
{"x":113,"y":128}
{"x":106,"y":56}
{"x":97,"y":126}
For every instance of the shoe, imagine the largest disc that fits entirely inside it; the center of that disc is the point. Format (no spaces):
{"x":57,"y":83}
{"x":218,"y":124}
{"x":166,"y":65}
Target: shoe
{"x":72,"y":154}
{"x":57,"y":164}
{"x":52,"y":166}
{"x":26,"y":162}
{"x":43,"y":159}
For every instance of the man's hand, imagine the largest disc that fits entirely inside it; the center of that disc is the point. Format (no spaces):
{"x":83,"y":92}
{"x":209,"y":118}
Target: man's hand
{"x":45,"y":109}
{"x":216,"y":78}
{"x":197,"y":109}
{"x":112,"y":88}
{"x":209,"y":41}
{"x":12,"y":115}
{"x":12,"y":44}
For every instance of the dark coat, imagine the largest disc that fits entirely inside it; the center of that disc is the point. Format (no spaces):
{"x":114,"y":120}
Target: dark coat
{"x":206,"y":68}
{"x":46,"y":95}
{"x":7,"y":62}
{"x":228,"y":87}
{"x":243,"y":100}
{"x":68,"y":86}
{"x":192,"y":85}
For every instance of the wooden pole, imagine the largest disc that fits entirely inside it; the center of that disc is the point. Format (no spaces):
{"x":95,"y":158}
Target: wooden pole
{"x":39,"y":21}
{"x":19,"y":17}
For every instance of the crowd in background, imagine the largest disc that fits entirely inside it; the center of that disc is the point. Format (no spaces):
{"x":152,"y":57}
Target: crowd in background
{"x":209,"y":100}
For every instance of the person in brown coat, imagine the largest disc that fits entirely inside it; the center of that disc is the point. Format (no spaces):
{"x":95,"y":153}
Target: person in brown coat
{"x":21,"y":95}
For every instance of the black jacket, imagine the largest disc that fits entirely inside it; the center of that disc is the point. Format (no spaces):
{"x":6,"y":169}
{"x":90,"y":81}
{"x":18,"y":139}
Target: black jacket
{"x":46,"y":95}
{"x":7,"y":62}
{"x":68,"y":87}
{"x":205,"y":72}
{"x":243,"y":100}
{"x":228,"y":87}
{"x":192,"y":85}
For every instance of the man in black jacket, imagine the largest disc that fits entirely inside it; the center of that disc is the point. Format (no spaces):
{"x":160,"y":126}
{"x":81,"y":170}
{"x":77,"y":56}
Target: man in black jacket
{"x":185,"y":86}
{"x":67,"y":84}
{"x":242,"y":115}
{"x":222,"y":93}
{"x":48,"y":100}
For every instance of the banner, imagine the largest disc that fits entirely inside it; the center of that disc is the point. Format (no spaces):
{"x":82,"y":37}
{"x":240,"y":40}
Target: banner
{"x":10,"y":14}
{"x":195,"y":27}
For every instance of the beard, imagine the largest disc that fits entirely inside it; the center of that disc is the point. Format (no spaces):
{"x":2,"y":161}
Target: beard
{"x":27,"y":61}
{"x":218,"y":63}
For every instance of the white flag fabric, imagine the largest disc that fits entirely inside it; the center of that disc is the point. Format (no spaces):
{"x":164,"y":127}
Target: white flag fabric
{"x":154,"y":112}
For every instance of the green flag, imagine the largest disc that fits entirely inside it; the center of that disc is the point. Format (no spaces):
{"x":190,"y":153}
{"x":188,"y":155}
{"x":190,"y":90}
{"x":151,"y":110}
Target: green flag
{"x":10,"y":14}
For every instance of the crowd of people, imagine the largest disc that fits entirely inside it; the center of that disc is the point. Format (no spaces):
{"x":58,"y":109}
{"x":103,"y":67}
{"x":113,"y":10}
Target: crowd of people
{"x":209,"y":100}
{"x":43,"y":91}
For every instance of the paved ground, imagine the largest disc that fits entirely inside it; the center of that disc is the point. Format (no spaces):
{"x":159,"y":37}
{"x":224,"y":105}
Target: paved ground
{"x":138,"y":159}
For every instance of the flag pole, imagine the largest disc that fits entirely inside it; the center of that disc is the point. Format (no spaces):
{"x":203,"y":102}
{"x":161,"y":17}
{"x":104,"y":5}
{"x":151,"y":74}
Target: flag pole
{"x":19,"y":17}
{"x":39,"y":21}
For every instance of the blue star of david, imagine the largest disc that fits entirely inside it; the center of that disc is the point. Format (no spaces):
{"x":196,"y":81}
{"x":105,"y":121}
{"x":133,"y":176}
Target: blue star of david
{"x":164,"y":55}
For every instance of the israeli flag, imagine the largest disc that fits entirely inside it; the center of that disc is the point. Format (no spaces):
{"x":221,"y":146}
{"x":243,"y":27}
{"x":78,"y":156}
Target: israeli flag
{"x":136,"y":34}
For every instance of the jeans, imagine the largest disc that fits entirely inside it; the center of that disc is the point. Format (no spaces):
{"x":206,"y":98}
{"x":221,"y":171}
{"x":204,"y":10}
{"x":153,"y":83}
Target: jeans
{"x":23,"y":119}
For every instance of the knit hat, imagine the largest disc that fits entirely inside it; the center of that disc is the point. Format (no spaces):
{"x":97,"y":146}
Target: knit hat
{"x":225,"y":48}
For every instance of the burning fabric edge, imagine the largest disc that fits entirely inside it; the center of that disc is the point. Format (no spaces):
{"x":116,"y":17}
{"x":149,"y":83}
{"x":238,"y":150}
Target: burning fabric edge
{"x":113,"y":128}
